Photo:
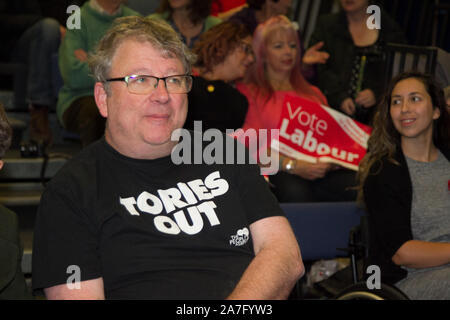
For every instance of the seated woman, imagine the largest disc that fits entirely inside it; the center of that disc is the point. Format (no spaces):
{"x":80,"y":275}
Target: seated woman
{"x":404,"y":183}
{"x":350,"y":78}
{"x":224,"y":54}
{"x":275,"y":74}
{"x":190,"y":18}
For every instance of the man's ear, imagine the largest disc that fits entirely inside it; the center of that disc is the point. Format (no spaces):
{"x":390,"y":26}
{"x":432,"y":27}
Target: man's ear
{"x":101,"y":99}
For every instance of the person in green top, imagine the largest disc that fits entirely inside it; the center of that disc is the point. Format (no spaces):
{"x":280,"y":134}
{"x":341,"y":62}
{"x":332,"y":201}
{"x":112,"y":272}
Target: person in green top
{"x":76,"y":108}
{"x":189,"y":18}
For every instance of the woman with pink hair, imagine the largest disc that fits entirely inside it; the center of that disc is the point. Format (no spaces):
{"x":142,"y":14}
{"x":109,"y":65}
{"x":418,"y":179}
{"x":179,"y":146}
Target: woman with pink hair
{"x":275,"y":74}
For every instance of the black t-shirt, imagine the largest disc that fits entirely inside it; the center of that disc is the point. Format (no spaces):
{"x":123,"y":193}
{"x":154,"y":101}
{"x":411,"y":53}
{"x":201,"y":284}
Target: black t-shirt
{"x":151,"y":229}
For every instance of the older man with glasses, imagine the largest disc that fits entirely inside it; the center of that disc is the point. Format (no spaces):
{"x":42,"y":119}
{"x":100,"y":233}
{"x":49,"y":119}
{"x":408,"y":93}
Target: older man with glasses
{"x":123,"y":221}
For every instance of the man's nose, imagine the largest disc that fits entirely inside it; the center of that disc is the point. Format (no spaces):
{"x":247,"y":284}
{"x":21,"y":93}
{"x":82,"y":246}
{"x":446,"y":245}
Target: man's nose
{"x":160,"y":93}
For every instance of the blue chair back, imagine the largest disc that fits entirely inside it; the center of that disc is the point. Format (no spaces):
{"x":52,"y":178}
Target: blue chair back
{"x":323,"y":227}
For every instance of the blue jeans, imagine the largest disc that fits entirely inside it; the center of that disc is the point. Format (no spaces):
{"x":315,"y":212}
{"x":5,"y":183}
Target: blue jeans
{"x":35,"y":49}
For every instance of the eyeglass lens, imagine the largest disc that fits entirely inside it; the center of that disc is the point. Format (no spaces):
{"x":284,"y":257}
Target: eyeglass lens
{"x":146,"y":84}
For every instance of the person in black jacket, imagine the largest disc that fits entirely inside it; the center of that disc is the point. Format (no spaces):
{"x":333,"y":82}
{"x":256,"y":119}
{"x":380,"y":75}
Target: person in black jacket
{"x":405,"y":186}
{"x":12,"y":281}
{"x":224,"y":54}
{"x":350,"y":79}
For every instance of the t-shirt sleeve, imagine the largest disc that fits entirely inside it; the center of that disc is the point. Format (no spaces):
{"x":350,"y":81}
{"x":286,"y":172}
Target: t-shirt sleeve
{"x":256,"y":197}
{"x":65,"y":245}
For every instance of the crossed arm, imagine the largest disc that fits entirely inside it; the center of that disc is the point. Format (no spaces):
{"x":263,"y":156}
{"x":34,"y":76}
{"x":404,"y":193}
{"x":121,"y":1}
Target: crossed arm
{"x":422,"y":254}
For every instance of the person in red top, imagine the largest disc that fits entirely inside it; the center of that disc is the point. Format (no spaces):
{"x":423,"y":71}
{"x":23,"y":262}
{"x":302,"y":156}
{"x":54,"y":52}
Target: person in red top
{"x":276,"y":73}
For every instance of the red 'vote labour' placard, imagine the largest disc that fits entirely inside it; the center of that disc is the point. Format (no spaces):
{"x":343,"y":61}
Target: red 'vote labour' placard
{"x":316,"y":133}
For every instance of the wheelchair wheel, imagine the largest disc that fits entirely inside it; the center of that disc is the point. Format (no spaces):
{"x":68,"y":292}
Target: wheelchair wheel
{"x":359,"y":291}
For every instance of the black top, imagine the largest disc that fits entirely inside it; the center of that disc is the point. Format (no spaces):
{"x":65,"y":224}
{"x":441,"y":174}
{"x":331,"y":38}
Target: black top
{"x":217,"y":104}
{"x":12,"y":281}
{"x":388,"y":198}
{"x":150,"y":228}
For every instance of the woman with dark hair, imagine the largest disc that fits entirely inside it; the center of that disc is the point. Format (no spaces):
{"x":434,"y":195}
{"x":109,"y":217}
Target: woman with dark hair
{"x":404,"y":183}
{"x":224,"y":54}
{"x":350,"y":78}
{"x":275,"y":74}
{"x":190,"y":18}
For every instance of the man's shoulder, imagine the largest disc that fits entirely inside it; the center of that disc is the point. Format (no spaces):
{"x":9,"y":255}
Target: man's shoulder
{"x":81,"y":167}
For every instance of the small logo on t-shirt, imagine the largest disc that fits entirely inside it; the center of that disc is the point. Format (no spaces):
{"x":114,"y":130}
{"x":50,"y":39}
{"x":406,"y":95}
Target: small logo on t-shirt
{"x":240,"y":238}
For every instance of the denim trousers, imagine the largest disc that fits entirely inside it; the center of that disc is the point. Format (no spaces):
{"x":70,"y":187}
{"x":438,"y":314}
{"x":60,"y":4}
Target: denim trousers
{"x":37,"y":48}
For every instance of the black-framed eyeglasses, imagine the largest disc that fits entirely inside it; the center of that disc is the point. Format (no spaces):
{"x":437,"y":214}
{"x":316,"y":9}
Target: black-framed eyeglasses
{"x":143,"y":84}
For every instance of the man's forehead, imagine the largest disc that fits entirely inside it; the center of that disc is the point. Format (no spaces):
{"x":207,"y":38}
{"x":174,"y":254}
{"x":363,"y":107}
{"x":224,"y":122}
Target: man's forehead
{"x":133,"y":47}
{"x":142,"y":57}
{"x":149,"y":70}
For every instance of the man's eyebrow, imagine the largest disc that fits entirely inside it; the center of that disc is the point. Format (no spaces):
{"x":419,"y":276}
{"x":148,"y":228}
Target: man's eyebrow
{"x":149,"y":72}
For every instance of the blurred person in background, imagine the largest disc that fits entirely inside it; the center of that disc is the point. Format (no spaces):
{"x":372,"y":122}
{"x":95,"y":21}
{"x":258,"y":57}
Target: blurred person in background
{"x":224,"y":54}
{"x":275,"y":74}
{"x":352,"y":77}
{"x":190,"y":18}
